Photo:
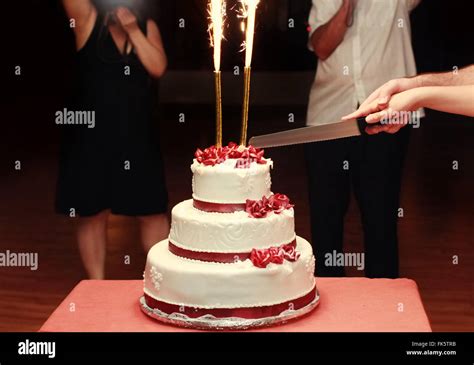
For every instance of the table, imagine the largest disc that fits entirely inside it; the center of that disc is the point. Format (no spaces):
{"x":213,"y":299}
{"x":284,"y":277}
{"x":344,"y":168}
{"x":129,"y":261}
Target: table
{"x":347,"y":305}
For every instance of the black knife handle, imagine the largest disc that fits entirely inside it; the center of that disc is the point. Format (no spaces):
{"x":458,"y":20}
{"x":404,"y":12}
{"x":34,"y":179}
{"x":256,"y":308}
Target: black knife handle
{"x":363,"y":125}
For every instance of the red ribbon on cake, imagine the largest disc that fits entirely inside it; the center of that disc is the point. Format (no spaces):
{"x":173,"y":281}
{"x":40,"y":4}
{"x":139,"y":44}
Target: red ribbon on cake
{"x":218,"y":207}
{"x":246,"y":313}
{"x":219,"y":257}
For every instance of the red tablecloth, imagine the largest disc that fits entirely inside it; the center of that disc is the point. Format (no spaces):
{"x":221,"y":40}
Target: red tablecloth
{"x":347,"y":305}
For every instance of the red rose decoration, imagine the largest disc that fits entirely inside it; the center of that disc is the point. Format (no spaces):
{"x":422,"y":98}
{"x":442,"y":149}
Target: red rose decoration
{"x":280,"y":202}
{"x":260,"y":208}
{"x":249,"y":155}
{"x":290,"y":253}
{"x":244,"y":155}
{"x":256,"y":209}
{"x":277,"y":255}
{"x":260,"y":258}
{"x":210,"y":156}
{"x":274,"y":255}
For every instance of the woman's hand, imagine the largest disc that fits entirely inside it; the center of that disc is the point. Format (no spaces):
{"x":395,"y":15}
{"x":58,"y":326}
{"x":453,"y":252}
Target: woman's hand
{"x":396,"y":115}
{"x":149,"y":48}
{"x":126,"y":19}
{"x":380,"y":98}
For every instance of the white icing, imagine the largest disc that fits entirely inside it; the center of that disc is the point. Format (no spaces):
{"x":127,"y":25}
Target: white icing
{"x":310,"y":266}
{"x":223,"y":183}
{"x":204,"y":285}
{"x":200,"y":231}
{"x":156,"y":278}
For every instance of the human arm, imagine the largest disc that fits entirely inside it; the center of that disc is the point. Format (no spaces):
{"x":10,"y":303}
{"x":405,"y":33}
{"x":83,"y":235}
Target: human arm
{"x":329,"y":36}
{"x":150,"y":50}
{"x":83,"y":13}
{"x":449,"y":99}
{"x":380,"y":98}
{"x":80,"y":10}
{"x":412,"y":4}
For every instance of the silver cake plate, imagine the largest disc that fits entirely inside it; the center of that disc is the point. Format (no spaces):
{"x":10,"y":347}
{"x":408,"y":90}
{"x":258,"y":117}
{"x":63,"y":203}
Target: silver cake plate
{"x":209,"y":322}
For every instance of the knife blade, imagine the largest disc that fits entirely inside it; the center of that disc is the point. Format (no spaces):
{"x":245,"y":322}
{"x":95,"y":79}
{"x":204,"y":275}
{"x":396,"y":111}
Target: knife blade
{"x":318,"y":133}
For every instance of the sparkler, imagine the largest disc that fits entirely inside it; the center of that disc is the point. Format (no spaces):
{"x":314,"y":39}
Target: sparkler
{"x":217,"y":13}
{"x":249,"y":12}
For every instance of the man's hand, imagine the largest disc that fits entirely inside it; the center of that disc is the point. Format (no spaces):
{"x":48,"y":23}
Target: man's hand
{"x":380,"y":98}
{"x":396,"y":115}
{"x":126,"y":19}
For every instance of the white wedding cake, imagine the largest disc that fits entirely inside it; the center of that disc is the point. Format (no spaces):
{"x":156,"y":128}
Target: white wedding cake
{"x":232,"y":259}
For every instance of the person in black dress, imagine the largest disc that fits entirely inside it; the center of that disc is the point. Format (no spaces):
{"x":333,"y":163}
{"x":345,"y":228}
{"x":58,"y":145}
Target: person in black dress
{"x":112,"y":164}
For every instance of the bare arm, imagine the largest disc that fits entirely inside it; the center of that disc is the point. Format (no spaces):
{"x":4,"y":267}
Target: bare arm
{"x":464,"y":76}
{"x":327,"y":38}
{"x":448,"y":99}
{"x":149,"y":48}
{"x":380,"y":98}
{"x":83,"y":13}
{"x":80,"y":10}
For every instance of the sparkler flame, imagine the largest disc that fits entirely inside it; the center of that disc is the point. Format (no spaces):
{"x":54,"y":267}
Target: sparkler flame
{"x":217,"y":16}
{"x":248,"y":11}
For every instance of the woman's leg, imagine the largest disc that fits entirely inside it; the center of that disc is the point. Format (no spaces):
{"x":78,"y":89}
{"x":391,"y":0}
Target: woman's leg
{"x":153,"y":228}
{"x":92,"y":238}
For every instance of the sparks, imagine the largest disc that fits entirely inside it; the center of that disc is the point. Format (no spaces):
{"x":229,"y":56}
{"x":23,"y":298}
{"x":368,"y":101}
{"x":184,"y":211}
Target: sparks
{"x":248,"y":11}
{"x":217,"y":16}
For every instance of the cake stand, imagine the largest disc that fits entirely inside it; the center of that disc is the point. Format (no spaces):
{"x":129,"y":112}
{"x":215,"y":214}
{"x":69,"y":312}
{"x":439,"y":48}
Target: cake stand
{"x":209,"y":322}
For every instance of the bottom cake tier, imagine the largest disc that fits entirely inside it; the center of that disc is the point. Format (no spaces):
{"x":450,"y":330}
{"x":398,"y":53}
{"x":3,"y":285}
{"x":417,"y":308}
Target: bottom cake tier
{"x":181,"y":289}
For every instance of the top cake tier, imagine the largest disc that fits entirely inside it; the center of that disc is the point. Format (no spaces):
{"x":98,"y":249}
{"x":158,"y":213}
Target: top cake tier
{"x":228,"y":178}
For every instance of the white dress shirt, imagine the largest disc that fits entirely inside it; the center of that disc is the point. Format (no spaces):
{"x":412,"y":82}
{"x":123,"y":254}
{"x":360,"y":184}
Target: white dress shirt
{"x":376,"y":48}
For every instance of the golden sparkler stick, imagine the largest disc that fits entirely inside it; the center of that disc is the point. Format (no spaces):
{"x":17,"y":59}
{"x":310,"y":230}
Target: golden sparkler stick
{"x":218,"y":80}
{"x":246,"y":104}
{"x":216,"y":30}
{"x":249,"y":10}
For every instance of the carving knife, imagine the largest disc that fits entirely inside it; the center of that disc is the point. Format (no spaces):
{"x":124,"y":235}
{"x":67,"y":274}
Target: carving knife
{"x":318,"y":133}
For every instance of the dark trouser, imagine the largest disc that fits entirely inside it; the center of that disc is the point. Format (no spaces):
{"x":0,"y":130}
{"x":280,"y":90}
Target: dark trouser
{"x":372,"y":165}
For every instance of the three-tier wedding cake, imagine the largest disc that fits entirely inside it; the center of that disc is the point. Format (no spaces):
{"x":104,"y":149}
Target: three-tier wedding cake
{"x":232,"y":259}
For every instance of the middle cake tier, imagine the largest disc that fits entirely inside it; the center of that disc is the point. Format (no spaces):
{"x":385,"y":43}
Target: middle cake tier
{"x":199,"y":231}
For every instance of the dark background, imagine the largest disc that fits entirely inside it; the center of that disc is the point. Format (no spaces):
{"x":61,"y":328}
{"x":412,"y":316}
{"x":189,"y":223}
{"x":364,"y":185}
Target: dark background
{"x":37,"y":37}
{"x":439,"y":218}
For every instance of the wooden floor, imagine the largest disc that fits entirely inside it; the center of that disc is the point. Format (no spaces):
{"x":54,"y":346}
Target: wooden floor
{"x":437,"y":224}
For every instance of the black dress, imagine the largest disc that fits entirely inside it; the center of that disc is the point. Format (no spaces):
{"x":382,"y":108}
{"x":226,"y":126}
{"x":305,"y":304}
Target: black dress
{"x":116,"y":165}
